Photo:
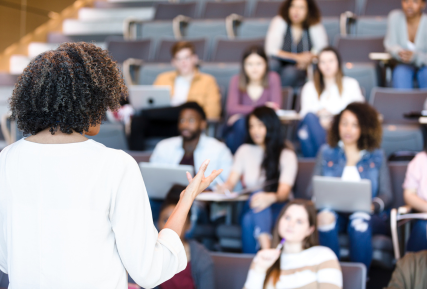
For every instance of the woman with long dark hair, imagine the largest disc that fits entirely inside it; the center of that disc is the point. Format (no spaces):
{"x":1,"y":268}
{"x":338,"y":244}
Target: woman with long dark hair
{"x":254,"y":86}
{"x":293,"y":39}
{"x":268,"y":166}
{"x":327,"y":95}
{"x":299,"y":261}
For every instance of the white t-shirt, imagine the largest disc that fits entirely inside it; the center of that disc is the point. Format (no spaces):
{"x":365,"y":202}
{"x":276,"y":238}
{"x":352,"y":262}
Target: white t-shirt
{"x":350,"y":173}
{"x":181,"y":89}
{"x":78,"y":216}
{"x":331,"y":100}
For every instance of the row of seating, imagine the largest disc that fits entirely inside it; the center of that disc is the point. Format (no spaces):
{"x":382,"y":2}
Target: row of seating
{"x":231,"y":271}
{"x":254,"y":8}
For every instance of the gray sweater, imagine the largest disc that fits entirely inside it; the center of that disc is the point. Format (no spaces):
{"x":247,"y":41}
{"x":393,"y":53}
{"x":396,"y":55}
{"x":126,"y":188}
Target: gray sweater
{"x":397,"y":37}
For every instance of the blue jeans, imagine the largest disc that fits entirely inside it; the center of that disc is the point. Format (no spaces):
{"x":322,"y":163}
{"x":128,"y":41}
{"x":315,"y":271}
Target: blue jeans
{"x":404,"y":74}
{"x":253,"y":224}
{"x":418,"y":239}
{"x":311,"y":135}
{"x":360,"y":227}
{"x":235,"y":135}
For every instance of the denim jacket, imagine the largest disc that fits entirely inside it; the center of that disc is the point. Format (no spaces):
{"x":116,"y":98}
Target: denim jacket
{"x":372,"y":166}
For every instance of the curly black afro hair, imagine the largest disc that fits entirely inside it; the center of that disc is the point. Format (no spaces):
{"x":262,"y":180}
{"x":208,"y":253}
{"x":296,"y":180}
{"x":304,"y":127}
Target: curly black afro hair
{"x":69,"y":88}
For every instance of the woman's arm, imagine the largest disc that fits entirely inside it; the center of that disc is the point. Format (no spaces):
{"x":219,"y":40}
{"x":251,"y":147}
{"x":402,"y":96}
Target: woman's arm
{"x":319,"y":36}
{"x":414,"y":201}
{"x":391,"y":43}
{"x":275,"y":87}
{"x":150,"y":257}
{"x":275,"y":35}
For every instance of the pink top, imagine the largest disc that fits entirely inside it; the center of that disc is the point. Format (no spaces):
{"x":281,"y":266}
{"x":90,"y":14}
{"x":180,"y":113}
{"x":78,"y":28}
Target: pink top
{"x":240,"y":103}
{"x":416,"y":175}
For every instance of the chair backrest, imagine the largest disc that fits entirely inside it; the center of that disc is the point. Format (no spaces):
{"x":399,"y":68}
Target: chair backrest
{"x":140,"y":156}
{"x":357,"y":49}
{"x":381,"y":7}
{"x":120,"y":50}
{"x":154,"y":30}
{"x":253,"y":28}
{"x":397,"y":175}
{"x":393,"y":104}
{"x":354,"y":275}
{"x":332,"y":27}
{"x":149,"y":72}
{"x":168,"y":11}
{"x":231,"y":50}
{"x":365,"y":74}
{"x":371,"y":26}
{"x":163,"y":52}
{"x":231,"y":270}
{"x":305,"y":171}
{"x":111,"y":135}
{"x":124,"y":4}
{"x":266,"y":9}
{"x":7,"y":79}
{"x":287,"y":98}
{"x":219,"y":10}
{"x":336,"y":7}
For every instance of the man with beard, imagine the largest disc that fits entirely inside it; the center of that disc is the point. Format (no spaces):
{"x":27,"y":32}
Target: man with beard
{"x":193,"y":146}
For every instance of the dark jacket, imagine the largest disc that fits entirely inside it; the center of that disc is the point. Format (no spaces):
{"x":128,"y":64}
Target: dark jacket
{"x":373,"y":166}
{"x":410,"y":272}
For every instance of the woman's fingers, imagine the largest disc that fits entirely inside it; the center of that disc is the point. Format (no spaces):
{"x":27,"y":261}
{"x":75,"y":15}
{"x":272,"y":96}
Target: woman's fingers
{"x":189,"y":177}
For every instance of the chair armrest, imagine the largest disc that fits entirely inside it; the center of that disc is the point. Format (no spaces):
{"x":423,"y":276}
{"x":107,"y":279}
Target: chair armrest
{"x":230,"y":22}
{"x":4,"y":129}
{"x":126,"y":69}
{"x":345,"y":19}
{"x":176,"y":25}
{"x":394,"y":234}
{"x":129,"y":31}
{"x":404,"y":210}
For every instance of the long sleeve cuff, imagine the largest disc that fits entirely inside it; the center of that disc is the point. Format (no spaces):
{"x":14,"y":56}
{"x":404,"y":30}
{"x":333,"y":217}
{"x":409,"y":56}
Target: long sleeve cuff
{"x":172,"y":241}
{"x":255,"y":280}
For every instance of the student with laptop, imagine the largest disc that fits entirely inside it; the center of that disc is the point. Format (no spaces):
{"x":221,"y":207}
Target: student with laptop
{"x":187,"y":84}
{"x":296,"y":260}
{"x":268,"y":165}
{"x":353,"y":153}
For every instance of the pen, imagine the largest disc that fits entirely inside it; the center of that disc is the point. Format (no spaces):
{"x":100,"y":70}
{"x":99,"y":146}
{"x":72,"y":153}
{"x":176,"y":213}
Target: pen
{"x":227,"y":191}
{"x":280,"y":246}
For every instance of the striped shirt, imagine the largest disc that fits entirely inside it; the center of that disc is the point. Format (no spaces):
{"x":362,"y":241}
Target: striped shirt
{"x":313,"y":268}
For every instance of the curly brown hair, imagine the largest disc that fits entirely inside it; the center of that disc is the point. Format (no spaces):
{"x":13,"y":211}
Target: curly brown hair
{"x":313,"y":13}
{"x":69,"y":88}
{"x":369,"y":123}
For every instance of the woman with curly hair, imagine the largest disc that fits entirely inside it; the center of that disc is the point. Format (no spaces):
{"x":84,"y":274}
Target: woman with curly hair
{"x":353,"y":153}
{"x":74,"y":213}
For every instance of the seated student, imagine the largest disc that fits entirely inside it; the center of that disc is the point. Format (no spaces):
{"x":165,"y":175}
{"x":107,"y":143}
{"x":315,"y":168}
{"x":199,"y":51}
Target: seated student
{"x":406,"y":42}
{"x":353,"y":153}
{"x":187,"y":85}
{"x":295,"y":34}
{"x":264,"y":159}
{"x":254,"y":86}
{"x":199,"y":273}
{"x":192,"y":147}
{"x":415,"y":195}
{"x":410,"y":272}
{"x":301,"y":262}
{"x":327,"y":95}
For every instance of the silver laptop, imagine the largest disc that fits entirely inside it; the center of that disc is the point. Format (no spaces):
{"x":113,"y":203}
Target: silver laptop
{"x":149,"y":96}
{"x":159,"y":178}
{"x":342,"y":196}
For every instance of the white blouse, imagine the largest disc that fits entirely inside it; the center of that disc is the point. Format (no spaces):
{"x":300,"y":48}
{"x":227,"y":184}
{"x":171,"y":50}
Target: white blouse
{"x":78,"y":216}
{"x":330,"y":99}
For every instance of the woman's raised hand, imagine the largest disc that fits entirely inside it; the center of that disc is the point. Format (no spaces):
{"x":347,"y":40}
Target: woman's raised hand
{"x":199,"y":183}
{"x":264,"y":259}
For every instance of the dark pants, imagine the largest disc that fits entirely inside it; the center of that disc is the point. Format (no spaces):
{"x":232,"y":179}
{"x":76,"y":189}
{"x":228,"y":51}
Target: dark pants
{"x":290,"y":75}
{"x":254,"y":224}
{"x":156,"y":122}
{"x":311,"y":135}
{"x":235,"y":135}
{"x":418,"y":239}
{"x":360,"y":227}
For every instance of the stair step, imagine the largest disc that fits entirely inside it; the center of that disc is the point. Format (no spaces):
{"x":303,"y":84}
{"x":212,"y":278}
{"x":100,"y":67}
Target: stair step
{"x":78,"y":27}
{"x":5,"y":93}
{"x":35,"y":48}
{"x":58,"y":37}
{"x":18,"y":63}
{"x":91,"y":14}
